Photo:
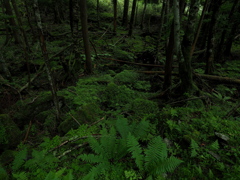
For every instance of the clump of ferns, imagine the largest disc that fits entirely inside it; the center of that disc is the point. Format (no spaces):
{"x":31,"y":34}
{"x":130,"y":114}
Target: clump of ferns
{"x":119,"y":150}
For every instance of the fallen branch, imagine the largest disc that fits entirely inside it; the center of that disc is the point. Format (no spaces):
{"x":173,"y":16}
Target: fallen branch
{"x":203,"y":76}
{"x":140,"y":64}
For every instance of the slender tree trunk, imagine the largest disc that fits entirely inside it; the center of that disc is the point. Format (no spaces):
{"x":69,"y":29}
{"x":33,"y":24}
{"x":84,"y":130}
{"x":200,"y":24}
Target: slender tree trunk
{"x":83,"y":14}
{"x":143,"y":13}
{"x":47,"y":63}
{"x":26,"y":5}
{"x":169,"y":60}
{"x":230,"y":39}
{"x":219,"y":52}
{"x":161,"y":25}
{"x":132,"y":18}
{"x":26,"y":47}
{"x":185,"y":67}
{"x":199,"y":27}
{"x":125,"y":13}
{"x":115,"y":16}
{"x":98,"y":14}
{"x":12,"y":22}
{"x":210,"y":42}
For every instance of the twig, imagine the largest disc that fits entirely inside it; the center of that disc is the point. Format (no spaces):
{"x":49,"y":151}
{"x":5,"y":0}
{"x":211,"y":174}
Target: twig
{"x":96,"y":122}
{"x":70,"y":150}
{"x":201,"y":97}
{"x":119,"y":40}
{"x":232,"y":110}
{"x":76,"y":138}
{"x":75,"y":119}
{"x":28,"y":130}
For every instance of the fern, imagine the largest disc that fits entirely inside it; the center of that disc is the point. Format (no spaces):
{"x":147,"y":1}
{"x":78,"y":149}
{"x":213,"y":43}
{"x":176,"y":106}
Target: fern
{"x":135,"y":149}
{"x":19,"y":159}
{"x":156,"y":161}
{"x":141,"y":130}
{"x":123,"y":127}
{"x":194,"y":147}
{"x":215,"y":145}
{"x":156,"y":152}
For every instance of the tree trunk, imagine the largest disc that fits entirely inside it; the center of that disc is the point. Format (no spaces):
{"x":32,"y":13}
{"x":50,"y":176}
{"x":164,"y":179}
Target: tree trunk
{"x":83,"y":14}
{"x":219,"y":52}
{"x":132,"y":18}
{"x":12,"y":22}
{"x":125,"y":13}
{"x":26,"y":47}
{"x":160,"y":26}
{"x":115,"y":16}
{"x":199,"y":27}
{"x":143,"y":14}
{"x":98,"y":14}
{"x":185,"y":67}
{"x":47,"y":63}
{"x":210,"y":42}
{"x":169,"y":60}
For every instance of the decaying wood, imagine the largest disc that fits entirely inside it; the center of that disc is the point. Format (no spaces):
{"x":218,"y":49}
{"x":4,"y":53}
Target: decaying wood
{"x":140,"y":64}
{"x":203,"y":76}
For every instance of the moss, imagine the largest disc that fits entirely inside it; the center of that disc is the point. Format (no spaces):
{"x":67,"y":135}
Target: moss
{"x":142,"y":107}
{"x":87,"y":114}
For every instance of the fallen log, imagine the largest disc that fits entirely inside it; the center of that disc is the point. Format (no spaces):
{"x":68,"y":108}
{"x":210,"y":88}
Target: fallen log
{"x":203,"y":76}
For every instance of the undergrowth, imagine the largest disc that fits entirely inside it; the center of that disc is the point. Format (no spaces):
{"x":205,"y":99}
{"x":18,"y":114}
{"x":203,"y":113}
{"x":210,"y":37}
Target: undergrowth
{"x":111,"y":130}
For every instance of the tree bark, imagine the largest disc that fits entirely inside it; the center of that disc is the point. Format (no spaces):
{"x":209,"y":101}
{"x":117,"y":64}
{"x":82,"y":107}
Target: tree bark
{"x":169,"y":60}
{"x":83,"y":14}
{"x":115,"y":16}
{"x":185,"y":63}
{"x":143,"y":13}
{"x":132,"y":18}
{"x":12,"y":22}
{"x":211,"y":41}
{"x":46,"y":60}
{"x":219,"y":55}
{"x":199,"y":27}
{"x":125,"y":13}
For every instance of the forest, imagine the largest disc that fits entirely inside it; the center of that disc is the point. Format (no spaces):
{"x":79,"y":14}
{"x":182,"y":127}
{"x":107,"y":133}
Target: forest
{"x":119,"y":89}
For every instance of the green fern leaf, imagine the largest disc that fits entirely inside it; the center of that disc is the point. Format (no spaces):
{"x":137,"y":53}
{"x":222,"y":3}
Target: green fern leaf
{"x":141,"y":130}
{"x":95,"y":145}
{"x":19,"y":159}
{"x":97,"y":170}
{"x":91,"y":158}
{"x":109,"y":144}
{"x":215,"y":145}
{"x":194,"y":147}
{"x":168,"y":165}
{"x":155,"y":153}
{"x":123,"y":127}
{"x":135,"y":149}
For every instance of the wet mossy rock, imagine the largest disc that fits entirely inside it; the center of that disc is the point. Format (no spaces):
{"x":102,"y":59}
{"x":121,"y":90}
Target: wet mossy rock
{"x":10,"y":134}
{"x":87,"y":114}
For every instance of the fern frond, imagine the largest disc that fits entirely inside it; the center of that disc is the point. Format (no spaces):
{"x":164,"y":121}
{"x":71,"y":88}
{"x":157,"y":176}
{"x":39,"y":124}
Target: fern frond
{"x":141,"y":129}
{"x":155,"y":153}
{"x":215,"y":145}
{"x":97,"y":170}
{"x":109,"y":144}
{"x":167,"y":165}
{"x":91,"y":158}
{"x":19,"y":159}
{"x":135,"y":149}
{"x":194,"y":147}
{"x":95,"y":145}
{"x":123,"y":127}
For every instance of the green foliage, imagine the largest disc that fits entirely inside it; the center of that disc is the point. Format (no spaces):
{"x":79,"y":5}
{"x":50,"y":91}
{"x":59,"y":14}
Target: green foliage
{"x":109,"y":150}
